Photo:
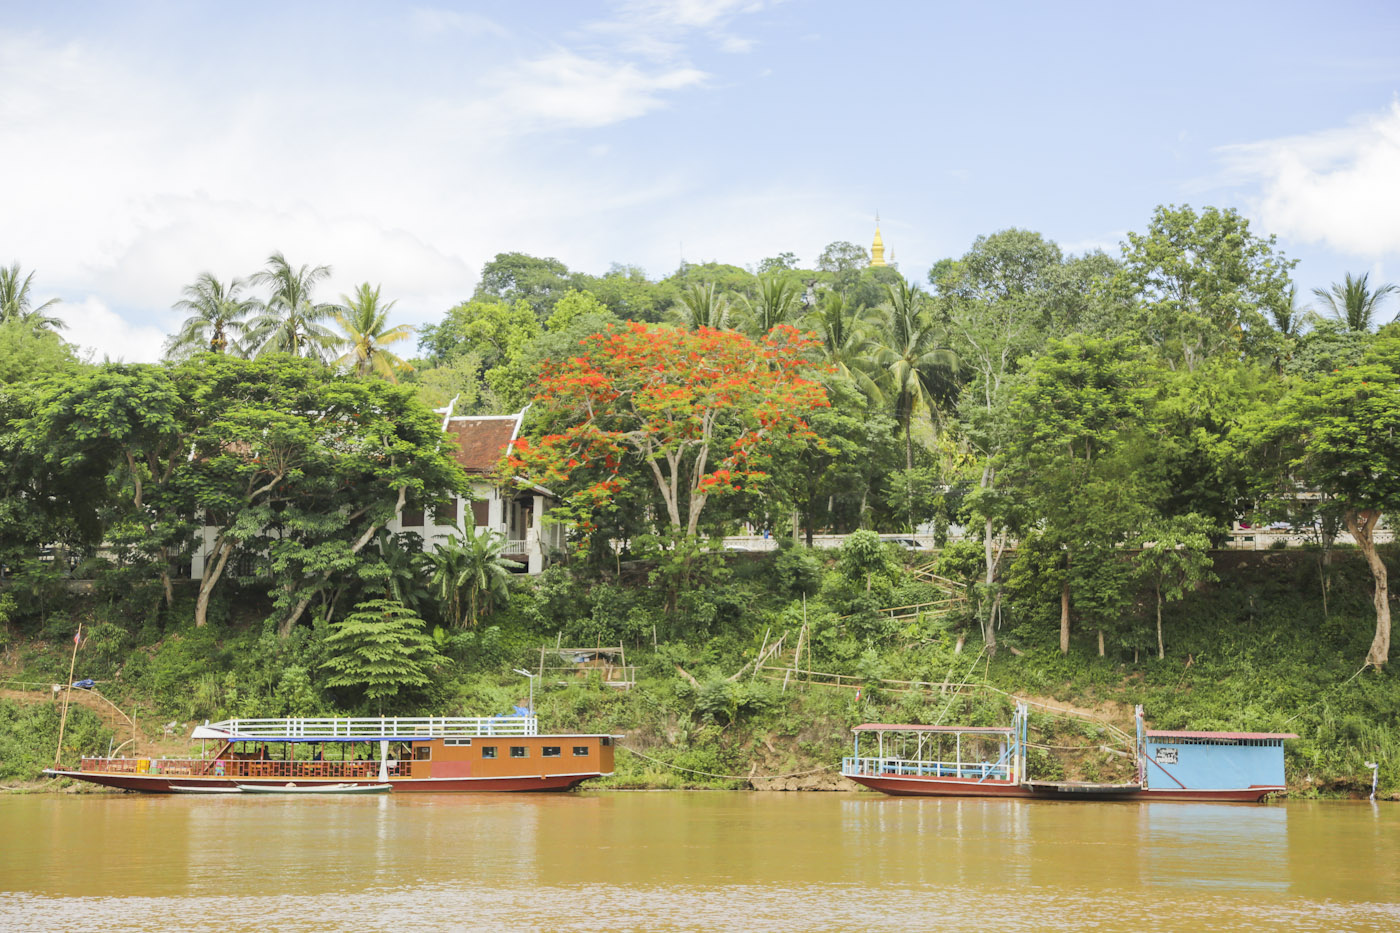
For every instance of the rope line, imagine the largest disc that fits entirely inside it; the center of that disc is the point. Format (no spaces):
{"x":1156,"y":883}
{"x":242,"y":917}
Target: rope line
{"x":728,"y":777}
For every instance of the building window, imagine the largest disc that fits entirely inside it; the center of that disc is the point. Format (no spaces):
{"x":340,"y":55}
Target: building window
{"x":580,"y":751}
{"x":488,"y":751}
{"x":519,"y":751}
{"x":607,"y":740}
{"x":412,"y":516}
{"x":550,"y":751}
{"x":481,"y":513}
{"x":446,"y":512}
{"x":422,"y":752}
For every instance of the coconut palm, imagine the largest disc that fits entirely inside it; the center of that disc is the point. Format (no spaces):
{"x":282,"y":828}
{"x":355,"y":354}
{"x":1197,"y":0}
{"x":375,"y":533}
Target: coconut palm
{"x":470,"y":575}
{"x":918,"y":369}
{"x":290,"y":321}
{"x":778,"y":298}
{"x":15,"y":301}
{"x":216,"y":320}
{"x":1353,"y":302}
{"x":845,"y":342}
{"x":364,"y":329}
{"x":700,"y":306}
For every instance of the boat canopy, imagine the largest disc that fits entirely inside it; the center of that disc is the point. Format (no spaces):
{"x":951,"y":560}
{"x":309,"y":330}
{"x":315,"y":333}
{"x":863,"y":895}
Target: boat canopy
{"x":965,"y":730}
{"x":367,"y":729}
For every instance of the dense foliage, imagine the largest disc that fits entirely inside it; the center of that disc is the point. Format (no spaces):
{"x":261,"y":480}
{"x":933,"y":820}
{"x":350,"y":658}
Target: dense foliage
{"x":1078,"y":434}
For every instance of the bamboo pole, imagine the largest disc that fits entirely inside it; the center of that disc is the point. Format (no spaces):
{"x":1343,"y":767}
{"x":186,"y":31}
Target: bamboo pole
{"x":67,"y":692}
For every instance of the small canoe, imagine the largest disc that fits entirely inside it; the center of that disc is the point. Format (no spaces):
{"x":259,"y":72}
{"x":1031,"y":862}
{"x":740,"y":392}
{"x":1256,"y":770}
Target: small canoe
{"x":313,"y":788}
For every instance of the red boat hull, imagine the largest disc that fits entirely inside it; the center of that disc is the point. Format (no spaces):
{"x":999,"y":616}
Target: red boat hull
{"x":161,"y":784}
{"x":901,"y":786}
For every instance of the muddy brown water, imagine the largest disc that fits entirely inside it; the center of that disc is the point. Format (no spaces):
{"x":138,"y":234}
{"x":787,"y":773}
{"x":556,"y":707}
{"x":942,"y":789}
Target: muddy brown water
{"x":692,"y":861}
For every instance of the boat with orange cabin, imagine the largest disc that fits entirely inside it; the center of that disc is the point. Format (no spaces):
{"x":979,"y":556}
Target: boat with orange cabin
{"x":433,"y":753}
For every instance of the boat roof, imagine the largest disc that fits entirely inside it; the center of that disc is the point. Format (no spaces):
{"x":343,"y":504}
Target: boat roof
{"x":366,"y":729}
{"x":906,"y":727}
{"x":1176,"y":734}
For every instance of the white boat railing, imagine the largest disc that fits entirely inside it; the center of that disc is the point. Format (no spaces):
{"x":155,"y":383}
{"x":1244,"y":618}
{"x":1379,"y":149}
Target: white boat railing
{"x":904,"y":767}
{"x":370,"y":727}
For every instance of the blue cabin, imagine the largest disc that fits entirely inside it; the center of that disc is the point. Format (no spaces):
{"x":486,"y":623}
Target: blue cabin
{"x":1213,"y":760}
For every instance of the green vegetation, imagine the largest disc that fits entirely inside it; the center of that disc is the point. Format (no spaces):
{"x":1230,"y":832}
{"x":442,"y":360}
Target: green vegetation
{"x":1093,"y":425}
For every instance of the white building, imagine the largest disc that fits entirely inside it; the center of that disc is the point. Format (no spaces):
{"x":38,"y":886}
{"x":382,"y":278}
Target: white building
{"x":512,"y":510}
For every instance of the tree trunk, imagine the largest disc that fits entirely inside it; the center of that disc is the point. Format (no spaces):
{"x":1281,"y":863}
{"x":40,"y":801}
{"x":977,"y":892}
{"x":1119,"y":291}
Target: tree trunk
{"x":1361,"y":523}
{"x":1161,"y":651}
{"x":211,"y":579}
{"x":1100,"y":642}
{"x":1064,"y":617}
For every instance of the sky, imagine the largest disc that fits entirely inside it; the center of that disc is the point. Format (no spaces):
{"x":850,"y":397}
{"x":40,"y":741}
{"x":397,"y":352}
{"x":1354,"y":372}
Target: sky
{"x":144,"y":143}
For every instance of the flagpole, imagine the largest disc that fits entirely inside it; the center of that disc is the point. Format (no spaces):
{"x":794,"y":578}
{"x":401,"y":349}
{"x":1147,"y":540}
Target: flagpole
{"x":67,"y":690}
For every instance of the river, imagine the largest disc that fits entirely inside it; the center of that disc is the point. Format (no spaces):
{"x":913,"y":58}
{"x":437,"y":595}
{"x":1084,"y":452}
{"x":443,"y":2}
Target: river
{"x":691,"y":861}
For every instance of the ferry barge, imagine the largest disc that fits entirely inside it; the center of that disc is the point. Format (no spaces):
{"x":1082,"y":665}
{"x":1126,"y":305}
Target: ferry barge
{"x":434,"y":754}
{"x":989,"y":761}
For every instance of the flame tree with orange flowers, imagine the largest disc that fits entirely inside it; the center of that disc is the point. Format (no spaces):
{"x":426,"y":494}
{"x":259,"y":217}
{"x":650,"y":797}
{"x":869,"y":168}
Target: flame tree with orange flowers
{"x":702,"y":413}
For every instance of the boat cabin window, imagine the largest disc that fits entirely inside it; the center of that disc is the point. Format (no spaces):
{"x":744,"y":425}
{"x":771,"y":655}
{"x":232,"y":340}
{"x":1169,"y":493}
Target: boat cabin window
{"x":580,"y":751}
{"x":550,"y":751}
{"x":488,"y":751}
{"x":456,"y":741}
{"x":607,"y":740}
{"x":422,"y":752}
{"x":519,"y":751}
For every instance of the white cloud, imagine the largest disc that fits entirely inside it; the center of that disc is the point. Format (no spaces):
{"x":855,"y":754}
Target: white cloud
{"x":1339,"y":186}
{"x":99,"y":330}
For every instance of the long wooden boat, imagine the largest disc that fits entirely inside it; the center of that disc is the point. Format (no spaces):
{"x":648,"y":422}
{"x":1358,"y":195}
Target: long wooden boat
{"x":436,"y":754}
{"x":990,"y":761}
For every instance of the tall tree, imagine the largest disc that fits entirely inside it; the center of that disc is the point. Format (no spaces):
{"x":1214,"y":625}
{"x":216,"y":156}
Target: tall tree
{"x":16,"y":304}
{"x":1071,"y":459}
{"x":696,"y":412}
{"x":290,"y":319}
{"x":365,"y":332}
{"x":1353,"y":302}
{"x":915,"y":362}
{"x":216,"y":322}
{"x":1203,"y":283}
{"x":845,"y":342}
{"x":1174,"y":557}
{"x":1339,"y":433}
{"x":996,"y":295}
{"x":512,"y":277}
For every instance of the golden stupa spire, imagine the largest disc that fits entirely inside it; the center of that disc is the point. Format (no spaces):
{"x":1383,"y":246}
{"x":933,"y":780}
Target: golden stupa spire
{"x":877,"y":249}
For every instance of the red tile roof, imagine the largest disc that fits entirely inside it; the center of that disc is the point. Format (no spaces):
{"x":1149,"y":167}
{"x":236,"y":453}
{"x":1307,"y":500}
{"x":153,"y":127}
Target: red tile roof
{"x":481,"y":441}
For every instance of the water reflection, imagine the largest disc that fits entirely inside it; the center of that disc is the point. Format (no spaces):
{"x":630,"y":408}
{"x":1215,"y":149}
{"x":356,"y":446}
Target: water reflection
{"x":692,"y":861}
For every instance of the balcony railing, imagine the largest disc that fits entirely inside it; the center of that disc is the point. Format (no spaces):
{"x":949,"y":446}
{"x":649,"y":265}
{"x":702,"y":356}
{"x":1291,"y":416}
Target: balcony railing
{"x":245,"y":768}
{"x":369,"y":728}
{"x":903,"y":767}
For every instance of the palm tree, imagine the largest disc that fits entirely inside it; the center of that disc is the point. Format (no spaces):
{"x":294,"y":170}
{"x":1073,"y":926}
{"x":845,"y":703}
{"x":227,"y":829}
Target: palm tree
{"x":777,"y":301}
{"x":216,"y":320}
{"x":1353,"y":302}
{"x":918,"y":370}
{"x":470,"y":575}
{"x":701,"y":307}
{"x":363,"y":322}
{"x":14,"y":301}
{"x":845,"y":342}
{"x":290,"y":321}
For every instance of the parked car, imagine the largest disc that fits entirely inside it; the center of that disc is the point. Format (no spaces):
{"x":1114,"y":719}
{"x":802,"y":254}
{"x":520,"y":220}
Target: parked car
{"x":909,"y":544}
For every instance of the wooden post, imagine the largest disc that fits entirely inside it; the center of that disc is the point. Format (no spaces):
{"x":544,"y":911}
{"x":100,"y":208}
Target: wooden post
{"x":67,"y":690}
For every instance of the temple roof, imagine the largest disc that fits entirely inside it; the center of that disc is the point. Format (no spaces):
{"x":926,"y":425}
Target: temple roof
{"x":481,"y":440}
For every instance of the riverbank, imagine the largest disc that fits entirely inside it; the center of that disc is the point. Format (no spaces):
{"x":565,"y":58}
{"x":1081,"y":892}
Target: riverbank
{"x":1259,"y":650}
